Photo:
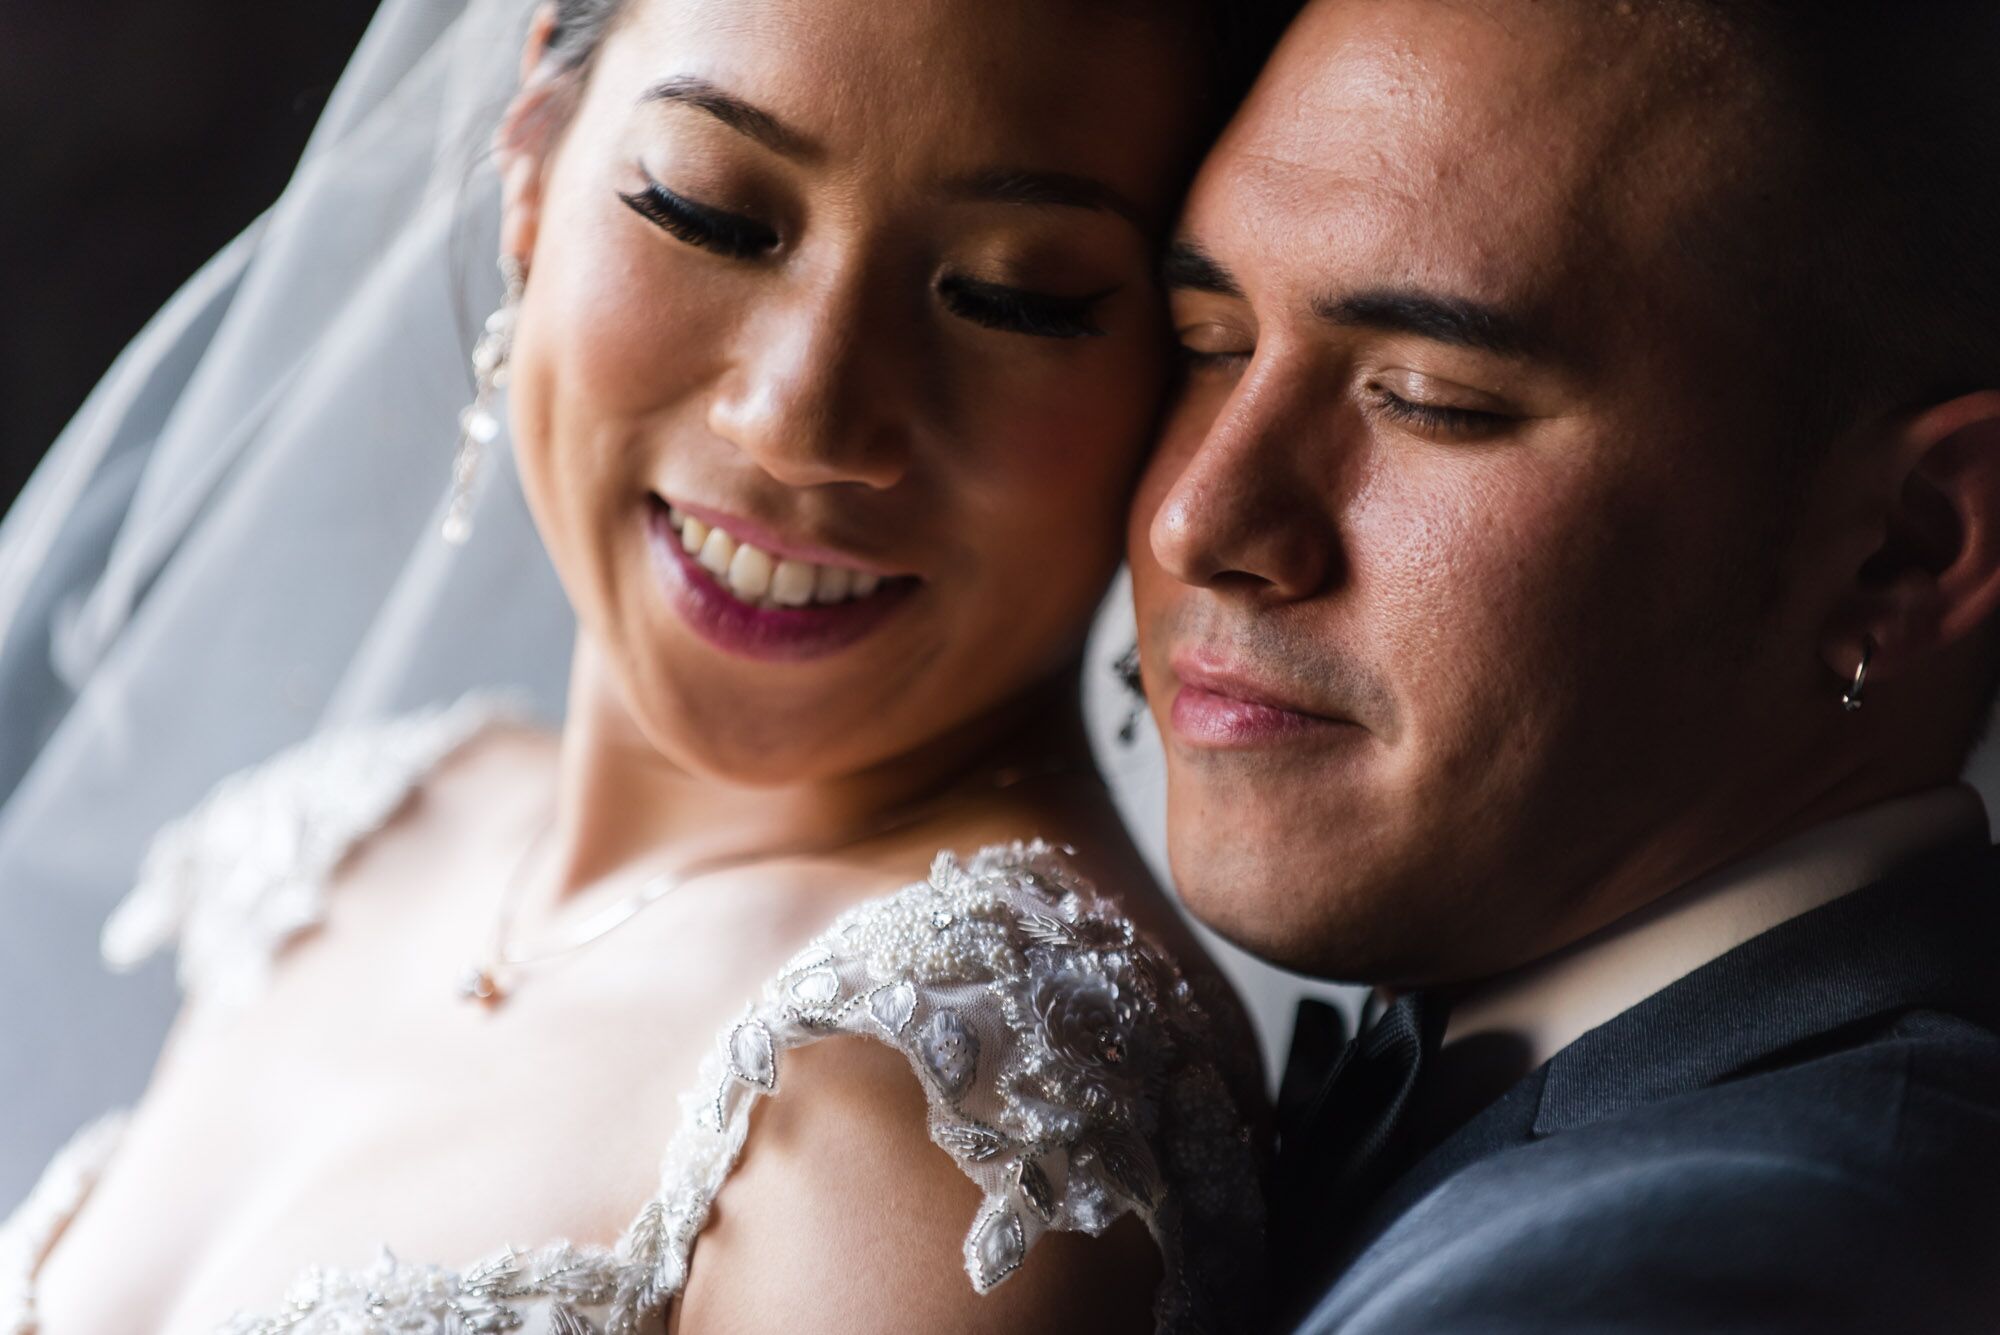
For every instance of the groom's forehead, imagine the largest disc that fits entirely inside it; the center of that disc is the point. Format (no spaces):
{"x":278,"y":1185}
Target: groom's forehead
{"x":1498,"y":149}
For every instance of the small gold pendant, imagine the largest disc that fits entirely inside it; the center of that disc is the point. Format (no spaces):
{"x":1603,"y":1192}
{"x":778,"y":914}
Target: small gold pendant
{"x":478,"y":984}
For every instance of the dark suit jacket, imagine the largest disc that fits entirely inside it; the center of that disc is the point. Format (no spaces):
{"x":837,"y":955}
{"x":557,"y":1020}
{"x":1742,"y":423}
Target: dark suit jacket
{"x":1801,"y":1136}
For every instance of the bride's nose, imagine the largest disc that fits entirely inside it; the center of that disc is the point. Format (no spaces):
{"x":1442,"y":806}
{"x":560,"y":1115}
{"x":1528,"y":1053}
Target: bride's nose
{"x":814,"y":395}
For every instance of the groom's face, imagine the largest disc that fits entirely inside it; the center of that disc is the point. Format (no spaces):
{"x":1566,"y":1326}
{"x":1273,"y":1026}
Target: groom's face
{"x":1465,"y":562}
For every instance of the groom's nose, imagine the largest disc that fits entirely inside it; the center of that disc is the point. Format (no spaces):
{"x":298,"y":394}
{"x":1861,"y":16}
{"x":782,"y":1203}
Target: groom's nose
{"x":1242,"y":513}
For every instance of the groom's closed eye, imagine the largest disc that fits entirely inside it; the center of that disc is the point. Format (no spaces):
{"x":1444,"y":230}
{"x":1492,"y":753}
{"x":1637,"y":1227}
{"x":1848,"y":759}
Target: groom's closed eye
{"x":1211,"y":324}
{"x":1437,"y":394}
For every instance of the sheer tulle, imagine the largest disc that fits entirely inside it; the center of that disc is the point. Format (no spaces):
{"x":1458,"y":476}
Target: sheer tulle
{"x":235,"y":541}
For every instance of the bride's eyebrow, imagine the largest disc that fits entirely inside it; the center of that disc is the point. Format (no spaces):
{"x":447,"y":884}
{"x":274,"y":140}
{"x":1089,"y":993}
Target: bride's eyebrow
{"x":1033,"y":189}
{"x":744,"y":117}
{"x":1046,"y":189}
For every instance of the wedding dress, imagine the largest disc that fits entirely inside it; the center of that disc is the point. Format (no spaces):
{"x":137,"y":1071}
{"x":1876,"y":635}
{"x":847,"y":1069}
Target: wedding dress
{"x":1070,"y":1070}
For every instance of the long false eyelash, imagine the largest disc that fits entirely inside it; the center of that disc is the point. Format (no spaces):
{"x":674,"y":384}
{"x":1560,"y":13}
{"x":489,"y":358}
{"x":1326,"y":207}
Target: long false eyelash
{"x":1010,"y":309}
{"x":699,"y":225}
{"x":990,"y":305}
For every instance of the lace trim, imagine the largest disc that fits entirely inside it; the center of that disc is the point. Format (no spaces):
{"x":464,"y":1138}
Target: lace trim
{"x":28,"y":1233}
{"x":395,"y":1296}
{"x":246,"y":871}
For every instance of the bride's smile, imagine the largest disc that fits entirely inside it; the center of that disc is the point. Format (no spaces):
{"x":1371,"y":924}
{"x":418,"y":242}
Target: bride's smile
{"x":766,"y":599}
{"x":875,"y":384}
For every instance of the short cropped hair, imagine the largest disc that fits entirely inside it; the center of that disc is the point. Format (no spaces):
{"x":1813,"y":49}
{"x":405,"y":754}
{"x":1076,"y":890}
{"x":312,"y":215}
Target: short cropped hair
{"x":1892,"y":247}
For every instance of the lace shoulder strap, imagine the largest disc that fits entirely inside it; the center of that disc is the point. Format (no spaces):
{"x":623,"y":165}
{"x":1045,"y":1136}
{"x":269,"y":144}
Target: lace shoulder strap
{"x":244,"y":872}
{"x":29,"y":1233}
{"x":1071,"y":1072}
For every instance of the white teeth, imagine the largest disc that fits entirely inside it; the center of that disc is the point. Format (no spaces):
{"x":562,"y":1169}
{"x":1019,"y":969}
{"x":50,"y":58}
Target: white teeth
{"x":833,"y":584}
{"x":756,"y":576}
{"x":792,"y":584}
{"x":717,"y":551}
{"x":750,"y":573}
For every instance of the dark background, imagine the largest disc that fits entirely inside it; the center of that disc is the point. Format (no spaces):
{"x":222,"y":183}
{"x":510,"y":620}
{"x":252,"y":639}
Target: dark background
{"x":136,"y":137}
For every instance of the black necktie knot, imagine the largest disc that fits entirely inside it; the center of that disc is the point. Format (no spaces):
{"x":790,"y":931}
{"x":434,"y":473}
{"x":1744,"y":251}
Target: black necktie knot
{"x":1344,"y":1116}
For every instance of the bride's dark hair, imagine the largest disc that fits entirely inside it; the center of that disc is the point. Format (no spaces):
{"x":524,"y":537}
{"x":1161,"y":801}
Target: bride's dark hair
{"x":1237,"y":35}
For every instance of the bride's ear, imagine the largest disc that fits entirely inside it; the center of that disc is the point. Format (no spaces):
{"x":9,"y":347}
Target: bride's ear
{"x":1934,"y":582}
{"x":527,"y":135}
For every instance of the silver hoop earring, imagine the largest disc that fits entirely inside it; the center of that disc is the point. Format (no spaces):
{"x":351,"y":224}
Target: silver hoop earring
{"x":479,"y":423}
{"x":1850,"y":699}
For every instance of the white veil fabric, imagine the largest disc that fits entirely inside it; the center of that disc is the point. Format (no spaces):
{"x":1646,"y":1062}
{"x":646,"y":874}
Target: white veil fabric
{"x":235,"y":541}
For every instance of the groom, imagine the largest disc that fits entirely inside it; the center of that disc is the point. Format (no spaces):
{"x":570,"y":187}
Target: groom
{"x":1568,"y":588}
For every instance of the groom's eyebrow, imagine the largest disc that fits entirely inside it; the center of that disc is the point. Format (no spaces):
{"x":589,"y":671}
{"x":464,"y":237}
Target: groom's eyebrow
{"x":1458,"y":321}
{"x":1189,"y":268}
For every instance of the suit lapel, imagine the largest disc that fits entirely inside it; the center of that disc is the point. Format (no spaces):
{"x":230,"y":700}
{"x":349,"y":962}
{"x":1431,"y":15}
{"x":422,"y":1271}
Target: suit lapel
{"x":1921,"y":939}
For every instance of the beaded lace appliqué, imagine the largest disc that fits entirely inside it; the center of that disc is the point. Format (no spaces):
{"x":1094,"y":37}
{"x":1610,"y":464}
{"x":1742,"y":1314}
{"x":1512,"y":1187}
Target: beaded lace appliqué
{"x":1070,"y":1070}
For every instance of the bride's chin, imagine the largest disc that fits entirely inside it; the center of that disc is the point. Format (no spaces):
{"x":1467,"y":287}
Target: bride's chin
{"x":731,"y":733}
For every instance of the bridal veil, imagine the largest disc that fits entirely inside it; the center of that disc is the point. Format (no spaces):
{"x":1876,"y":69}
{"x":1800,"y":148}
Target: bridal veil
{"x":235,"y":541}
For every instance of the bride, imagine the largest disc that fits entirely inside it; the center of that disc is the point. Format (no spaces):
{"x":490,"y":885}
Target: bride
{"x":831,"y":348}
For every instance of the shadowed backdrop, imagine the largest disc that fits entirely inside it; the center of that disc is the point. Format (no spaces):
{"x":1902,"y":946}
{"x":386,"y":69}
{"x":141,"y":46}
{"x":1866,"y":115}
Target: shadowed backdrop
{"x":138,"y":138}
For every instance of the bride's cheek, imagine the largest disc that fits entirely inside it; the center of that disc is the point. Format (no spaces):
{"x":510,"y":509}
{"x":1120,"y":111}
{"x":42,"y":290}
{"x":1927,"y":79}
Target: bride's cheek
{"x":1076,"y":441}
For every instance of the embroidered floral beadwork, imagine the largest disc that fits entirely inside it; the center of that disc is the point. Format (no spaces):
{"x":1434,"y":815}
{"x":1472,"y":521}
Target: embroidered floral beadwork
{"x":1070,"y":1070}
{"x":1049,"y":1039}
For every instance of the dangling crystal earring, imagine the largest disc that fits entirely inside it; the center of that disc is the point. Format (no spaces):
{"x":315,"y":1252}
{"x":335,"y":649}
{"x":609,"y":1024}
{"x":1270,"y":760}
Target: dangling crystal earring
{"x":479,"y":423}
{"x":1126,"y":669}
{"x":1850,"y":699}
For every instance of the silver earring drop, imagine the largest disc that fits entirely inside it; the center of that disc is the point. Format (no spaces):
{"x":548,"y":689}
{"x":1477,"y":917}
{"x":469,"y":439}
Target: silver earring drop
{"x":1850,"y":699}
{"x":479,"y":422}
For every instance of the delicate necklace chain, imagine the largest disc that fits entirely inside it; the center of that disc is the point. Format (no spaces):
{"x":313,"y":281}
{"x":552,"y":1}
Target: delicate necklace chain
{"x":491,"y":983}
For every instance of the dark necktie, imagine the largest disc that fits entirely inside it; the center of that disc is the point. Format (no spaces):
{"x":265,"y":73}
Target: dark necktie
{"x":1344,"y":1124}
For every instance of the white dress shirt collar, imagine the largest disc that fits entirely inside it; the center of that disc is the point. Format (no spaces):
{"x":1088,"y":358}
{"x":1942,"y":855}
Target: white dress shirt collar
{"x":1553,"y":1002}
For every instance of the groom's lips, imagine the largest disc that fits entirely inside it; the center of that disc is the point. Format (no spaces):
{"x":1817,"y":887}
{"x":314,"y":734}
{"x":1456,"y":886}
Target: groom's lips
{"x":1216,"y":706}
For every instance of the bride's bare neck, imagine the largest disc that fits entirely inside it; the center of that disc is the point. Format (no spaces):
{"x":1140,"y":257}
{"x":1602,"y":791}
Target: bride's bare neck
{"x":619,"y":801}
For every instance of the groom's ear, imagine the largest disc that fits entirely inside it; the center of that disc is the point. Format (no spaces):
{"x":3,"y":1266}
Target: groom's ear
{"x":527,"y":136}
{"x":1932,"y":586}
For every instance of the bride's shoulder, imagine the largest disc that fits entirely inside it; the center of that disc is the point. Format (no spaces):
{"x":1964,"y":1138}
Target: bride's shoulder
{"x":243,"y":870}
{"x":1074,"y":1076}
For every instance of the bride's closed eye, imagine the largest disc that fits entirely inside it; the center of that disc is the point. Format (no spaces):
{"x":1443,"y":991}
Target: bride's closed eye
{"x":701,"y":225}
{"x":1018,"y":311}
{"x":990,"y":305}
